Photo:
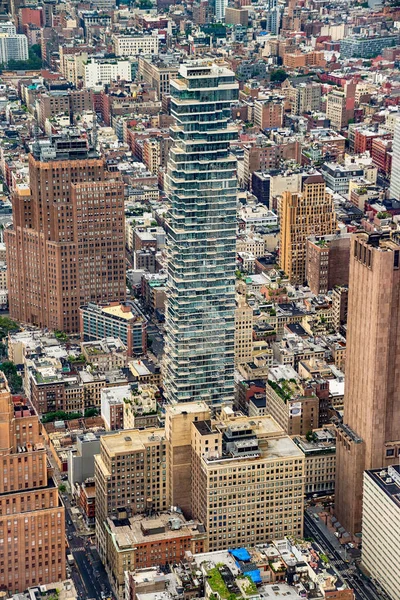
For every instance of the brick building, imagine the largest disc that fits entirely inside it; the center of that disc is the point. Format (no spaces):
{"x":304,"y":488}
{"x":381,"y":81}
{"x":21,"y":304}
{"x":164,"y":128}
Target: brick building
{"x":363,"y":139}
{"x":67,"y":243}
{"x":268,"y":114}
{"x":32,"y":521}
{"x":71,"y":102}
{"x":328,"y":259}
{"x":381,"y":154}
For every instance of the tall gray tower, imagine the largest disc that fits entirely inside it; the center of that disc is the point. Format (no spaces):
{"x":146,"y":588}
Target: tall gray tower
{"x":201,"y":237}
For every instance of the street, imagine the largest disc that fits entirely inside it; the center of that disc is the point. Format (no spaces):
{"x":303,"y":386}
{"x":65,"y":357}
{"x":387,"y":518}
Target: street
{"x":363,"y":590}
{"x":88,"y":573}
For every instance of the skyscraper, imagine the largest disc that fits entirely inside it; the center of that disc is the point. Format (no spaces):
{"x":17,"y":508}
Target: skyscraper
{"x":310,"y":212}
{"x":220,"y":8}
{"x":369,"y":437}
{"x":66,"y":246}
{"x":395,"y":174}
{"x":201,"y":225}
{"x":32,"y":520}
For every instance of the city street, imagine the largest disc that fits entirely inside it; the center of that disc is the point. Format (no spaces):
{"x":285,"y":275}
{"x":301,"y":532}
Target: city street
{"x":88,"y":574}
{"x":363,"y":590}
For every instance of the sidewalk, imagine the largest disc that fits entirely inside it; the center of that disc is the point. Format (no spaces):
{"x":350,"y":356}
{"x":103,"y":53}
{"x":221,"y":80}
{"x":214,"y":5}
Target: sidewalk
{"x":325,"y":529}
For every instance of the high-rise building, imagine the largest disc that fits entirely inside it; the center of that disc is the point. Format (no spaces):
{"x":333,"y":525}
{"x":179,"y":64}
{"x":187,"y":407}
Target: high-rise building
{"x":381,"y":528}
{"x":122,"y":456}
{"x":310,"y":212}
{"x":66,"y":246}
{"x":13,"y":46}
{"x":370,"y":433}
{"x":235,"y":490}
{"x":220,"y":8}
{"x":32,"y":520}
{"x":328,"y":259}
{"x":340,"y":106}
{"x":304,"y":97}
{"x":395,"y":169}
{"x":201,"y":184}
{"x":243,"y":331}
{"x":241,"y":478}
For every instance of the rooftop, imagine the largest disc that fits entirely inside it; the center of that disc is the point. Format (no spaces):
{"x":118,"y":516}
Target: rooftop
{"x":131,"y":440}
{"x":127,"y":533}
{"x":387,"y":480}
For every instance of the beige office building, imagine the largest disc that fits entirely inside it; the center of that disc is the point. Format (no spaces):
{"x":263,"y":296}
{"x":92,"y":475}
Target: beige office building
{"x":243,"y":331}
{"x":310,"y":212}
{"x":241,"y":478}
{"x":381,"y":528}
{"x":247,"y":481}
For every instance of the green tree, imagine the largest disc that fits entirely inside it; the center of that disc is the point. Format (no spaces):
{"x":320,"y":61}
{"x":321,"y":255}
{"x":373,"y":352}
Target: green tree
{"x":11,"y":373}
{"x":60,"y":335}
{"x":7,"y":325}
{"x":91,"y":412}
{"x":37,"y":49}
{"x":33,"y":63}
{"x":60,"y":415}
{"x":62,"y":488}
{"x":278,"y":75}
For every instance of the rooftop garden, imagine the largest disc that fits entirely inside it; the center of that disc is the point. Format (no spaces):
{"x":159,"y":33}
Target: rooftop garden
{"x":216,"y":582}
{"x":249,"y":586}
{"x":76,"y":359}
{"x":218,"y":585}
{"x":60,"y":335}
{"x":285,"y":388}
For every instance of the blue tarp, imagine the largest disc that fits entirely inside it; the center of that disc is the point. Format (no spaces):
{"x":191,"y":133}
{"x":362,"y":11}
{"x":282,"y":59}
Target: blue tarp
{"x":240,"y":554}
{"x":255,"y":575}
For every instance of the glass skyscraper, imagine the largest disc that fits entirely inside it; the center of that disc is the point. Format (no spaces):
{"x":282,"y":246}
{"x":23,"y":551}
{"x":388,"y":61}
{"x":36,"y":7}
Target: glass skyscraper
{"x":201,"y":237}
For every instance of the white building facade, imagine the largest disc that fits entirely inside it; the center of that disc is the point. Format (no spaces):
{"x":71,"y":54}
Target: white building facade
{"x":381,"y":528}
{"x":104,"y":72}
{"x":132,"y":45}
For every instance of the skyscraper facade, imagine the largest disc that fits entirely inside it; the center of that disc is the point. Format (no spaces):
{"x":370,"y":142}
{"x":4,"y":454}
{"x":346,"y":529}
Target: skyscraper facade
{"x":66,"y":245}
{"x":201,"y":224}
{"x":310,"y":212}
{"x":395,"y":173}
{"x":32,"y":519}
{"x":220,"y":8}
{"x":369,"y":437}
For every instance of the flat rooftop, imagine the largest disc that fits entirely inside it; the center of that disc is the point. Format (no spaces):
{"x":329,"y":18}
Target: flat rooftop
{"x":118,"y":311}
{"x":387,"y":480}
{"x":127,"y":533}
{"x":186,"y":408}
{"x":130,"y":440}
